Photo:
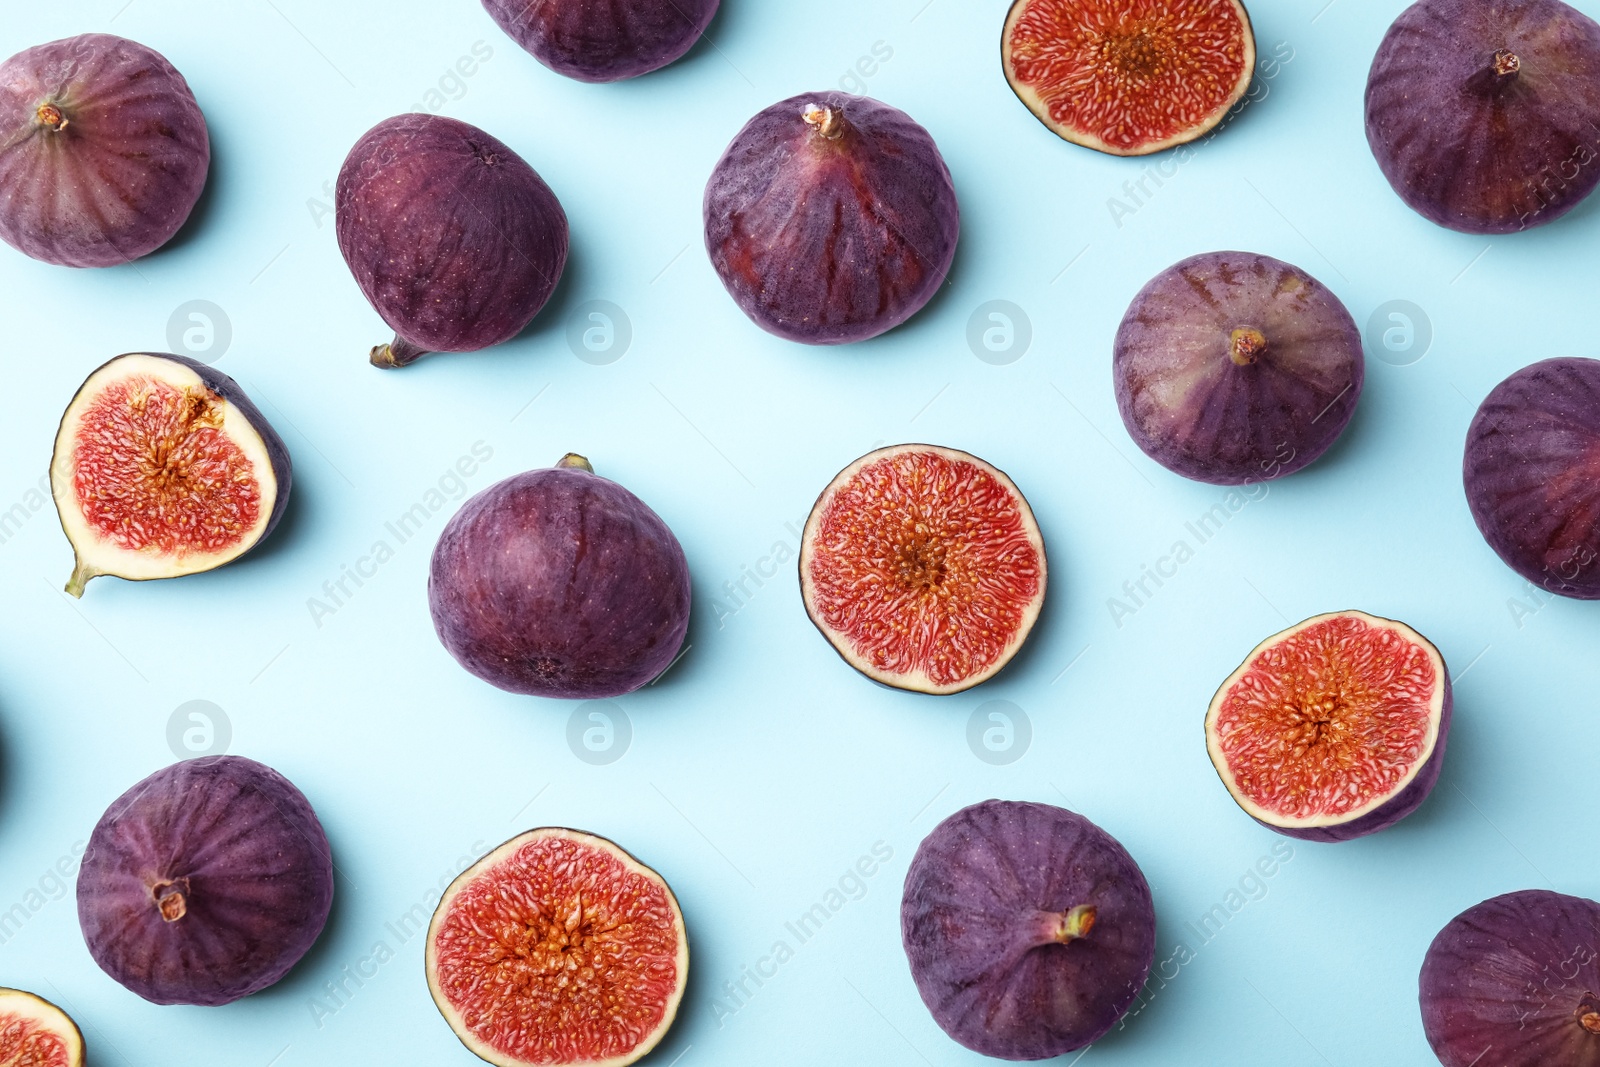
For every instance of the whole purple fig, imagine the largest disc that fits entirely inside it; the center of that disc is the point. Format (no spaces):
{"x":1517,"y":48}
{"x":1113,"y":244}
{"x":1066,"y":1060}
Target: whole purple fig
{"x":1233,"y":367}
{"x":831,"y":218}
{"x":1029,"y":929}
{"x":560,"y":583}
{"x":1482,"y":113}
{"x":103,"y":151}
{"x":1515,"y":982}
{"x":205,"y":882}
{"x":454,"y":239}
{"x":1532,"y":474}
{"x":604,"y":42}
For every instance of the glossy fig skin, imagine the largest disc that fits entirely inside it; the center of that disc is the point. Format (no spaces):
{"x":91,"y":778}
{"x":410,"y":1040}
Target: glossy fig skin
{"x":1532,"y":474}
{"x":1234,"y":367}
{"x":454,"y":239}
{"x":831,"y":218}
{"x":1482,"y":114}
{"x":1518,"y":974}
{"x":604,"y":40}
{"x":103,"y":151}
{"x":983,"y":896}
{"x":233,"y":853}
{"x":560,"y":583}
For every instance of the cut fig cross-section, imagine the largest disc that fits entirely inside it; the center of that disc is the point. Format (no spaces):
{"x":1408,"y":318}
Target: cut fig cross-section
{"x":558,"y":948}
{"x":36,"y":1033}
{"x":1129,"y":78}
{"x":163,"y":467}
{"x":924,"y":567}
{"x":1334,"y":728}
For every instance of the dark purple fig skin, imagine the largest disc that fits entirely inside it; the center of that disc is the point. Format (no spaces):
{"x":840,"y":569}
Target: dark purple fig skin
{"x":245,"y":850}
{"x":1468,"y":141}
{"x":560,"y":583}
{"x":1515,"y":982}
{"x":1237,"y":423}
{"x":119,"y":178}
{"x":604,"y":40}
{"x":1532,"y":474}
{"x":831,"y":238}
{"x":453,"y":238}
{"x":977,"y":895}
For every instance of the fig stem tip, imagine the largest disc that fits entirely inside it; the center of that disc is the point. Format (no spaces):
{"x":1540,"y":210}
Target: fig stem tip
{"x":573,"y":461}
{"x":829,"y":121}
{"x":50,"y":115}
{"x":1076,"y":923}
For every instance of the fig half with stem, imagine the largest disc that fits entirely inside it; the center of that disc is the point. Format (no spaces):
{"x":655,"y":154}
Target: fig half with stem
{"x":1334,"y":728}
{"x":923,"y":567}
{"x":1129,"y":79}
{"x":36,"y":1033}
{"x":1029,"y":929}
{"x":1532,"y":474}
{"x":163,"y":467}
{"x":558,"y":948}
{"x":604,"y":42}
{"x":103,"y":151}
{"x":454,"y":239}
{"x":1234,"y":367}
{"x":831,"y":218}
{"x":1482,"y":113}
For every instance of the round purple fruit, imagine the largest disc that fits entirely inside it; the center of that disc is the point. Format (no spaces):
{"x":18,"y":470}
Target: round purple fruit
{"x":103,"y":151}
{"x":453,"y":238}
{"x":560,"y":583}
{"x":831,"y":218}
{"x":1515,"y":982}
{"x":604,"y":42}
{"x":205,"y":882}
{"x":1029,"y":929}
{"x":1532,"y":473}
{"x":1233,"y":367}
{"x":1482,"y":114}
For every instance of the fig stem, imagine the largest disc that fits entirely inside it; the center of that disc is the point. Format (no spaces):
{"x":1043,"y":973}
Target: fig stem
{"x":1590,"y":1021}
{"x":80,"y":578}
{"x":397,"y":353}
{"x":573,"y":461}
{"x":1506,"y":63}
{"x":1246,"y":344}
{"x":50,"y":115}
{"x":1076,"y":922}
{"x":829,"y":121}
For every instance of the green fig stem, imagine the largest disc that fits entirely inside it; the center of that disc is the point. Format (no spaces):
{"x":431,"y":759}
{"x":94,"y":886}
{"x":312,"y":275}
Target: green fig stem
{"x":573,"y":461}
{"x":829,"y":121}
{"x":50,"y":115}
{"x":1246,"y":344}
{"x":80,"y":578}
{"x":1076,"y":922}
{"x":397,"y":353}
{"x":1506,"y":63}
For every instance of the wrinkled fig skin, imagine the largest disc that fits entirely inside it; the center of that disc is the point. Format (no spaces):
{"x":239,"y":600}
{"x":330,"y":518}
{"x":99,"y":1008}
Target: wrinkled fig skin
{"x":1532,"y":474}
{"x":604,"y":40}
{"x":103,"y":151}
{"x":1485,"y":117}
{"x":232,"y":850}
{"x":985,"y":893}
{"x":454,"y":239}
{"x":834,"y":228}
{"x":1515,"y":982}
{"x":560,"y":583}
{"x":1233,"y":368}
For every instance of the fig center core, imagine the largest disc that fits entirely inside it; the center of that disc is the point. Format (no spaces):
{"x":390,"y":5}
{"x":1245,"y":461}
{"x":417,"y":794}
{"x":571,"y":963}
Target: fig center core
{"x":51,"y":116}
{"x":170,"y":901}
{"x":1506,"y":63}
{"x":1138,"y":52}
{"x":1245,"y":345}
{"x":921,"y":562}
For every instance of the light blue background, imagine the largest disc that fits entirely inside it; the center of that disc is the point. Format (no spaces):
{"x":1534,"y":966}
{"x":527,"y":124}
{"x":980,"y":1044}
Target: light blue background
{"x":761,"y":768}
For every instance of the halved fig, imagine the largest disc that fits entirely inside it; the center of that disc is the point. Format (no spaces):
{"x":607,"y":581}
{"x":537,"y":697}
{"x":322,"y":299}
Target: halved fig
{"x":1515,"y":982}
{"x":924,"y":568}
{"x":36,"y":1033}
{"x":163,"y":467}
{"x":1029,"y":930}
{"x":1234,"y":367}
{"x":558,"y":947}
{"x":1128,"y":79}
{"x":1334,"y":728}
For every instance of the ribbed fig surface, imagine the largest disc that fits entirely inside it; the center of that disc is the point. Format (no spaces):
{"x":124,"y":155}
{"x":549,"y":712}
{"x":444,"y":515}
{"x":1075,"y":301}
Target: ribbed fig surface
{"x":560,"y":583}
{"x":103,"y":151}
{"x":1515,"y":982}
{"x":1532,"y":474}
{"x":205,"y":882}
{"x":36,"y":1033}
{"x":1334,"y":728}
{"x":452,"y":236}
{"x":1234,"y":367}
{"x":604,"y":42}
{"x":831,"y":218}
{"x":1482,"y":114}
{"x":163,"y":467}
{"x":1029,"y":929}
